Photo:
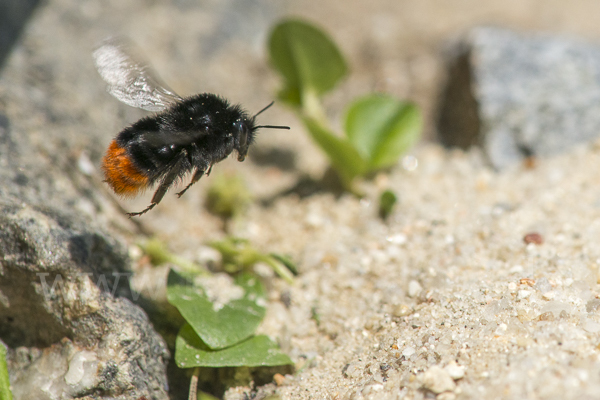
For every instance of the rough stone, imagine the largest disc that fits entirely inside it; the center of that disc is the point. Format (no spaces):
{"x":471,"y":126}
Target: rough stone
{"x":65,"y":314}
{"x":520,"y":95}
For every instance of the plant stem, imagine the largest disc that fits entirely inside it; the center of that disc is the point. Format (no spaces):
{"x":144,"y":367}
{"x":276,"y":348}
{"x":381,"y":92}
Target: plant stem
{"x":279,"y":269}
{"x":194,"y":385}
{"x":313,"y":116}
{"x":312,"y":108}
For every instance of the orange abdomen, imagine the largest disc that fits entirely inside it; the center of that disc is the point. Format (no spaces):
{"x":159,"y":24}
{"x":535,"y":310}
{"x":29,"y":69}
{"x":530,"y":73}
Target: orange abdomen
{"x":120,"y":172}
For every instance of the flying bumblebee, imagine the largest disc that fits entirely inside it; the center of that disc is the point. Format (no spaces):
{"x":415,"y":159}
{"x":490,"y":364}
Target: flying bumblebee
{"x":186,"y":134}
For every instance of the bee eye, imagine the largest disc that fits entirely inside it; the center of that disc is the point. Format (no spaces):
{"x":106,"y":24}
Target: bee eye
{"x":241,"y":132}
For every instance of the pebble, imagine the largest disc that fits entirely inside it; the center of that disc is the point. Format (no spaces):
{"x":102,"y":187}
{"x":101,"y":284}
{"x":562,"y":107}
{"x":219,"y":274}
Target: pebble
{"x":555,"y":307}
{"x":591,"y":326}
{"x":409,"y":351}
{"x":454,"y":370}
{"x":523,"y":294}
{"x":414,"y":288}
{"x":438,"y":380}
{"x":279,"y":379}
{"x":592,"y":305}
{"x":549,"y":295}
{"x":534,"y":238}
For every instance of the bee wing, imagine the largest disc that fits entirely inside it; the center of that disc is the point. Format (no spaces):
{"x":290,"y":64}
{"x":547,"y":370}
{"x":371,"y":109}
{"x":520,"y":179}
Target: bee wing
{"x":132,"y":82}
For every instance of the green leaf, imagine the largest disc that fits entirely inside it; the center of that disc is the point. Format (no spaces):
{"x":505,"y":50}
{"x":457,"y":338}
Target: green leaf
{"x":381,"y":128}
{"x":219,"y":325}
{"x":206,"y":396}
{"x":258,"y":351}
{"x":5,"y":392}
{"x":306,"y":58}
{"x":343,"y":156}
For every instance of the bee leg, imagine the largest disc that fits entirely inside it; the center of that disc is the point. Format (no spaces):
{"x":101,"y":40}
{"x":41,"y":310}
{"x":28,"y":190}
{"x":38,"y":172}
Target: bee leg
{"x":165,"y":184}
{"x":158,"y":195}
{"x":197,"y":175}
{"x":144,"y":211}
{"x":195,"y":158}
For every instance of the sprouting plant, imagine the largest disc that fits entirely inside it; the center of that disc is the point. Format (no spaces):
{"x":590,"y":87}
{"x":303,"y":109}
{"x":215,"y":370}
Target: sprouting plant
{"x":227,"y":196}
{"x":221,"y":320}
{"x":378,"y":128}
{"x":239,"y":255}
{"x":158,"y":253}
{"x":221,"y":311}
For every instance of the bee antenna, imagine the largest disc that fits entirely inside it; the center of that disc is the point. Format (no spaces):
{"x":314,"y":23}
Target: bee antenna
{"x":272,"y":127}
{"x":264,"y":109}
{"x":268,"y":126}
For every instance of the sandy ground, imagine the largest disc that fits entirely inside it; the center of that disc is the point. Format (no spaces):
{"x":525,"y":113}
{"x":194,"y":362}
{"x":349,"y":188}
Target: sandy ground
{"x":449,"y":280}
{"x":445,"y":296}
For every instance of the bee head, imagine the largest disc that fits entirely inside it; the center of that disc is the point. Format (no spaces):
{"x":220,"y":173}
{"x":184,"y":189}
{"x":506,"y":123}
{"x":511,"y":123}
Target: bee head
{"x":243,"y":132}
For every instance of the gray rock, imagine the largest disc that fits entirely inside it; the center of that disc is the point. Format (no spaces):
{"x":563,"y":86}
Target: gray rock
{"x":13,"y":15}
{"x":62,"y":314}
{"x":520,"y":95}
{"x":66,"y":309}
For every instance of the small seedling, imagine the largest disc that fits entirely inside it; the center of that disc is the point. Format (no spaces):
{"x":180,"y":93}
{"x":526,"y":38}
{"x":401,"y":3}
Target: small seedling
{"x":227,"y":196}
{"x":238,"y":255}
{"x":387,"y":201}
{"x":159,"y":254}
{"x":220,"y":327}
{"x":378,"y":128}
{"x":222,"y":317}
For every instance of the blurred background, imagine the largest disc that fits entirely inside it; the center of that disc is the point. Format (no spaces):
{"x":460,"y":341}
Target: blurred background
{"x":50,"y":88}
{"x":394,"y":46}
